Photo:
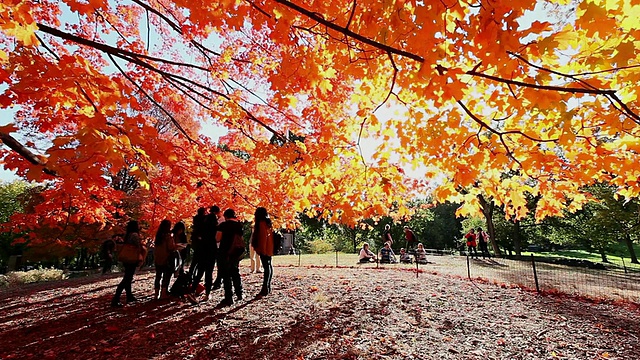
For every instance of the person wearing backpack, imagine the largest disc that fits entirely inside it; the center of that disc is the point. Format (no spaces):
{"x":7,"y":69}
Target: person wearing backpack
{"x":231,"y":249}
{"x":482,"y":242}
{"x":262,"y":242}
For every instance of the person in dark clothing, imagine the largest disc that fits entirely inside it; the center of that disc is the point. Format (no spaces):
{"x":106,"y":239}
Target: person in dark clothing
{"x":108,"y":250}
{"x":386,"y":235}
{"x":229,"y":257}
{"x":132,"y":236}
{"x":180,"y":237}
{"x":197,"y":233}
{"x":207,"y":252}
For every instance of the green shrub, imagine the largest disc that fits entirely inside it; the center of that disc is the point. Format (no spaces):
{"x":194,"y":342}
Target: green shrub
{"x":31,"y":276}
{"x":320,"y":246}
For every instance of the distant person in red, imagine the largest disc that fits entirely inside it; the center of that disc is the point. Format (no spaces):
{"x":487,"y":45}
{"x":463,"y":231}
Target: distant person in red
{"x":412,"y":240}
{"x":471,"y":243}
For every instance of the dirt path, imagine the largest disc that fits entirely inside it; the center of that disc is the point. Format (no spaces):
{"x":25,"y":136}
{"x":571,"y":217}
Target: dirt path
{"x":316,"y":313}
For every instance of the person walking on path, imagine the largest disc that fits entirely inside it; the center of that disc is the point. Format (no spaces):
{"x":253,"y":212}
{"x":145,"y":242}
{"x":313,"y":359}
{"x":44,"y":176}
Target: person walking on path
{"x":229,"y":256}
{"x":165,"y":246}
{"x":471,"y":243}
{"x":262,"y":242}
{"x":482,"y":241}
{"x":132,"y":236}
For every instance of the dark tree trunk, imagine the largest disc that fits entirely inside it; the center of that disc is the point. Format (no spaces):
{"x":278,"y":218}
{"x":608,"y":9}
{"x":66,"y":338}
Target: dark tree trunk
{"x":603,"y":255}
{"x":355,"y":244}
{"x":517,"y":239}
{"x":487,"y":210}
{"x":632,"y":252}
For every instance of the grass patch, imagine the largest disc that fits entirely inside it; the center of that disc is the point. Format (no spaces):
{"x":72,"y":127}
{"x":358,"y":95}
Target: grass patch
{"x":585,"y":255}
{"x":31,"y":276}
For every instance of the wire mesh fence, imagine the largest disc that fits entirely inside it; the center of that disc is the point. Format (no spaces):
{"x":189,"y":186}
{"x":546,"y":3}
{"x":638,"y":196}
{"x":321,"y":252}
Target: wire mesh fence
{"x":612,"y":281}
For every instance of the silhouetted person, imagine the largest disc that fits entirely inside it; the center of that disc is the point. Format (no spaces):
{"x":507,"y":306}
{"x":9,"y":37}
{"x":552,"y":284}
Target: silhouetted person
{"x":132,"y":236}
{"x":229,"y":257}
{"x":108,"y":250}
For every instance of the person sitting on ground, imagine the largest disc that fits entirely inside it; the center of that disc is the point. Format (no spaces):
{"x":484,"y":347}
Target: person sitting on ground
{"x":421,"y":254}
{"x":405,"y":257}
{"x":386,"y":254}
{"x":366,"y":255}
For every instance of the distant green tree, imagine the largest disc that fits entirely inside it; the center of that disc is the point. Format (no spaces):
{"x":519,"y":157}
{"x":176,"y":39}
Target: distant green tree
{"x":12,"y":199}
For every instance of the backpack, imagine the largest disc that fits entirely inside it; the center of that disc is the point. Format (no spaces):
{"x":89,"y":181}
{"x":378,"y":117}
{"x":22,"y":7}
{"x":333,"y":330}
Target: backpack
{"x":277,"y":242}
{"x":181,"y":285}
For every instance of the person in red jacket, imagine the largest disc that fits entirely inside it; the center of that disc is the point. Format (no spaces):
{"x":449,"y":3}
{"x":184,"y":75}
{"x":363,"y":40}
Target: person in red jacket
{"x":471,"y":243}
{"x":262,"y":242}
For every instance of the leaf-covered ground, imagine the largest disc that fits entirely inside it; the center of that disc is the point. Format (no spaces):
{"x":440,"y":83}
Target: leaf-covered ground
{"x":315,"y":313}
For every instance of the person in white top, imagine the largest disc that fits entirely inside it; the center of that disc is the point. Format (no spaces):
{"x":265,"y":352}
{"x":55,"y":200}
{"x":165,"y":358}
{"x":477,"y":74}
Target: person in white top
{"x":366,"y":255}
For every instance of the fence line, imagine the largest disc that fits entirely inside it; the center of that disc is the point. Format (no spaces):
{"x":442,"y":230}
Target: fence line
{"x":615,"y":283}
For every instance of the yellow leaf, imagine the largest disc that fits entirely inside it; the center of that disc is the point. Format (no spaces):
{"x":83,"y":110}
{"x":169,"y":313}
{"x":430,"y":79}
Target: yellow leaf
{"x":144,"y":184}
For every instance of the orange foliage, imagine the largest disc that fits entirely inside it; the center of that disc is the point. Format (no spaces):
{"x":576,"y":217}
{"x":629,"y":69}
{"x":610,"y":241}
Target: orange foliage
{"x":468,"y":92}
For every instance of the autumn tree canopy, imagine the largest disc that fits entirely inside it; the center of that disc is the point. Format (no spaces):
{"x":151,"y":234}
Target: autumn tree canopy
{"x":450,"y":95}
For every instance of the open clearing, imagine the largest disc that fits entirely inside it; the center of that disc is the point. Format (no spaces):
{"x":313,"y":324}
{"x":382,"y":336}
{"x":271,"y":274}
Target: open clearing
{"x":316,"y":313}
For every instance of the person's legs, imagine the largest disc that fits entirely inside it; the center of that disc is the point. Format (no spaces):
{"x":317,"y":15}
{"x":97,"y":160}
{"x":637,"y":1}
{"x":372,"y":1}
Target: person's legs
{"x":237,"y":281}
{"x":218,"y":281}
{"x":156,"y":281}
{"x":268,"y":273}
{"x":129,"y":271}
{"x":255,"y":263}
{"x":166,"y":278}
{"x":225,"y":274}
{"x":208,"y":276}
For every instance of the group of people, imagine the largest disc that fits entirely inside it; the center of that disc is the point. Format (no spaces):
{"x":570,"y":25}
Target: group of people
{"x":386,"y":254}
{"x":473,"y":239}
{"x":214,"y":239}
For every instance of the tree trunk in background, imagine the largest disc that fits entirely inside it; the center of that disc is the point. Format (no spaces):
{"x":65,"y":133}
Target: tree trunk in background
{"x":632,"y":252}
{"x":517,"y":240}
{"x":487,"y":210}
{"x":603,"y":255}
{"x":355,"y":245}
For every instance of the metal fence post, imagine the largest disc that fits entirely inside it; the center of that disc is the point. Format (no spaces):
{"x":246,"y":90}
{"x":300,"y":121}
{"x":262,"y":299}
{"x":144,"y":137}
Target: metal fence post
{"x":299,"y":256}
{"x":535,"y":273}
{"x":417,"y":268}
{"x":468,"y":267}
{"x":336,"y":257}
{"x":624,"y":265}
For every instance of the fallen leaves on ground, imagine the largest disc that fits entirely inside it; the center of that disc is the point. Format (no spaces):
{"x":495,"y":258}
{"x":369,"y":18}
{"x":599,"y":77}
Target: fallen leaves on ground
{"x":315,"y":313}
